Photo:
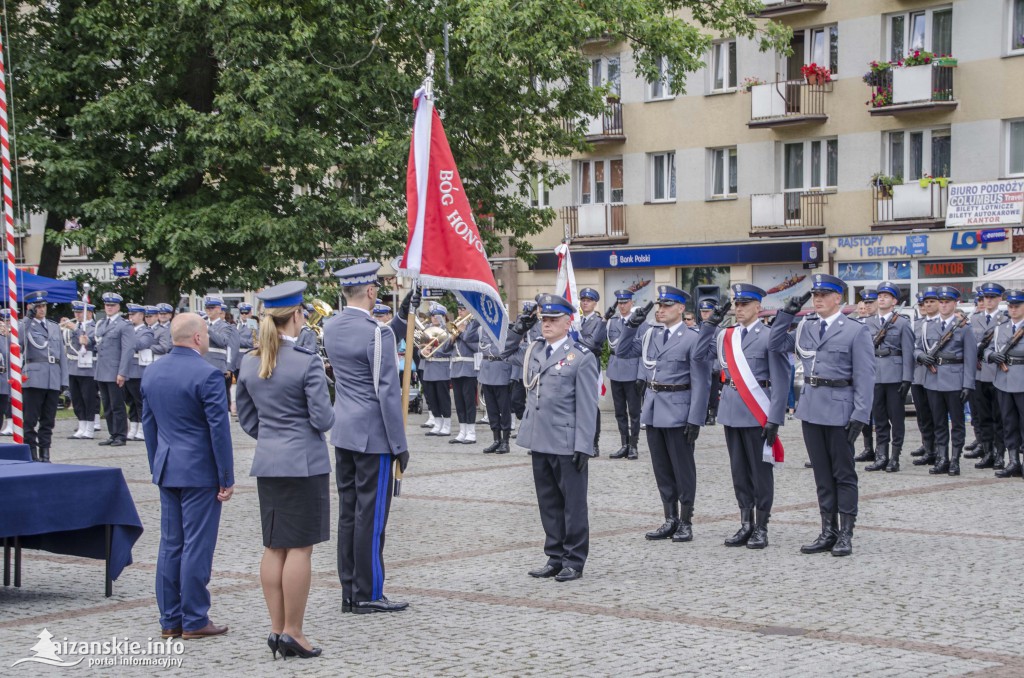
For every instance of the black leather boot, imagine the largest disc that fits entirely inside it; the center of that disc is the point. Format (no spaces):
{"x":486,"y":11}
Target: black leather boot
{"x":867,"y":454}
{"x":632,"y":453}
{"x":44,"y":454}
{"x":35,"y":453}
{"x":746,"y":527}
{"x":1013,"y":467}
{"x":927,"y":458}
{"x":759,"y":537}
{"x":894,"y":460}
{"x":622,"y":451}
{"x":954,"y":462}
{"x":919,"y":452}
{"x":881,"y":459}
{"x":503,"y":447}
{"x":827,"y":539}
{"x":669,"y":526}
{"x":988,"y":456}
{"x":941,"y":466}
{"x":493,"y":447}
{"x":974,"y":451}
{"x":597,"y":443}
{"x":684,"y":532}
{"x":844,"y":543}
{"x":999,"y":454}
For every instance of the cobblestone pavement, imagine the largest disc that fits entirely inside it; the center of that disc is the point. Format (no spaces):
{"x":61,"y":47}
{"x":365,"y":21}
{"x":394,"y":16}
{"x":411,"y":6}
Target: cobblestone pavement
{"x":932,"y":587}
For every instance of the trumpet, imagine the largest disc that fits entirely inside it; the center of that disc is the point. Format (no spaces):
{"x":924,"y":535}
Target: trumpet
{"x":321,"y":310}
{"x":428,"y":338}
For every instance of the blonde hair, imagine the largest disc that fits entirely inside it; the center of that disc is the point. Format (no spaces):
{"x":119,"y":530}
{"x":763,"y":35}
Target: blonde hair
{"x":270,"y":337}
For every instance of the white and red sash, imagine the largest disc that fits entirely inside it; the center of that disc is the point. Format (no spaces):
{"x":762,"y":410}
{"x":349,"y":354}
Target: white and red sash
{"x":753,"y":396}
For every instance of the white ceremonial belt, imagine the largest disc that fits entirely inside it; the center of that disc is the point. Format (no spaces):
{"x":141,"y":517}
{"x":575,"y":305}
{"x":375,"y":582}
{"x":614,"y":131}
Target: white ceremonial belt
{"x":218,"y":350}
{"x":462,"y":360}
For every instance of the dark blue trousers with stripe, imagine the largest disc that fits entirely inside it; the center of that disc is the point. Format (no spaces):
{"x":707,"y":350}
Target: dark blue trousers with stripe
{"x":364,"y":498}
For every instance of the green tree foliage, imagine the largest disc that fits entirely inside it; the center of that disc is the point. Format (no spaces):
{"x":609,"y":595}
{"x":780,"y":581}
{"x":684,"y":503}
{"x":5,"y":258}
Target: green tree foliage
{"x":229,"y":142}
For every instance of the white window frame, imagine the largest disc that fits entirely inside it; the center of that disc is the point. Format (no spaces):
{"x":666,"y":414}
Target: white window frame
{"x":539,"y":192}
{"x":929,"y":23}
{"x":927,"y":133}
{"x":714,"y":56}
{"x":808,"y":181}
{"x":658,"y":90}
{"x":600,"y":69}
{"x":809,"y":56}
{"x":1008,"y":168}
{"x":730,"y":156}
{"x":590,"y":174}
{"x":668,"y":185}
{"x":1012,"y":9}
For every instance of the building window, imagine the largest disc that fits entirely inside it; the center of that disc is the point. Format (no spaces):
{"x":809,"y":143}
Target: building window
{"x":19,"y":249}
{"x":913,"y":153}
{"x":1017,"y":25}
{"x":663,"y":176}
{"x":928,"y":30}
{"x":1015,"y":147}
{"x":539,"y":194}
{"x":722,"y":172}
{"x":605,"y":71}
{"x":599,"y":181}
{"x":659,"y":89}
{"x":723,"y":66}
{"x":811,"y":165}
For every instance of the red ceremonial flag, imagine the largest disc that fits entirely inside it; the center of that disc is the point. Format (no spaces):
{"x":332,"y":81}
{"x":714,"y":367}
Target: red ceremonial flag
{"x":444,"y":248}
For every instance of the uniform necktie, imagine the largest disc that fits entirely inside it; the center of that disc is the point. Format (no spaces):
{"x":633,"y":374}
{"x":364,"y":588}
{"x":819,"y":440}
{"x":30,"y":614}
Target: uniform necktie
{"x":988,"y":319}
{"x":665,"y":336}
{"x":821,"y":332}
{"x":743,"y":335}
{"x":547,"y":351}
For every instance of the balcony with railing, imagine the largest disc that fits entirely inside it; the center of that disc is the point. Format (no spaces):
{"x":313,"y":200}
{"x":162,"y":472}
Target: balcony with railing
{"x":908,"y":206}
{"x":776,"y":8}
{"x":913,"y":89}
{"x":787,"y":214}
{"x":596,"y":224}
{"x":787,"y":103}
{"x":605,"y":127}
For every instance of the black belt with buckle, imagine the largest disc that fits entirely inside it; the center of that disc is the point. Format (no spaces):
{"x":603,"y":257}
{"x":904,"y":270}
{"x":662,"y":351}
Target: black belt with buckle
{"x":763,"y":384}
{"x":49,"y":359}
{"x":493,"y":358}
{"x":1015,"y":361}
{"x":888,"y":352}
{"x":949,"y":361}
{"x":831,"y":383}
{"x":659,"y":388}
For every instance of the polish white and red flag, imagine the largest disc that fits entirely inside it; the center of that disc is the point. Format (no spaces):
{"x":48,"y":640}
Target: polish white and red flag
{"x":751,"y":392}
{"x":565,"y":284}
{"x":444,"y":248}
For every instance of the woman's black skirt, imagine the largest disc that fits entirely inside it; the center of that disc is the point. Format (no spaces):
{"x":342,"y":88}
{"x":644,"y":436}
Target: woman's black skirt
{"x":296,"y":512}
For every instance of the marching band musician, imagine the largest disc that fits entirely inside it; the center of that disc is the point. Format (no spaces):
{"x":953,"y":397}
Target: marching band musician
{"x":943,"y":348}
{"x":223,"y":343}
{"x":81,"y":333}
{"x":307,"y":335}
{"x":162,"y":343}
{"x":985,"y":408}
{"x":1006,"y":352}
{"x":678,"y":360}
{"x":437,"y":372}
{"x":593,"y":332}
{"x":560,"y":376}
{"x":835,"y":403}
{"x":44,"y":375}
{"x":464,"y":374}
{"x":747,"y":438}
{"x":893,"y":338}
{"x":142,"y":357}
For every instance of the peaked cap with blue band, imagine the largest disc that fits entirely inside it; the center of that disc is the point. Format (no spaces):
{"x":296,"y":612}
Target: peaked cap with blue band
{"x":151,"y":310}
{"x":671,"y":295}
{"x":746,"y":292}
{"x":245,"y":308}
{"x":886,"y":287}
{"x":590,"y":293}
{"x":553,"y":306}
{"x":283,"y":295}
{"x":947,"y":293}
{"x":623,"y":295}
{"x":164,"y":308}
{"x":991,"y":289}
{"x":869,"y":294}
{"x":213,"y":302}
{"x":929,"y":293}
{"x":823,"y":282}
{"x":381,"y":309}
{"x":77,"y":305}
{"x":1014,"y":296}
{"x":136,"y":308}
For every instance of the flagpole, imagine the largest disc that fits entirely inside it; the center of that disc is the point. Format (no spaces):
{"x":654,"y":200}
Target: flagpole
{"x":12,"y":271}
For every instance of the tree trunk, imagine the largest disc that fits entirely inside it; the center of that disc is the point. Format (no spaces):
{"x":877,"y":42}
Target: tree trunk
{"x":49,"y":257}
{"x":158,"y":288}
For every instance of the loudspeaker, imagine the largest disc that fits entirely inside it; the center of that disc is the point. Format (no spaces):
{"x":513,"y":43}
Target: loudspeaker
{"x":702,"y":292}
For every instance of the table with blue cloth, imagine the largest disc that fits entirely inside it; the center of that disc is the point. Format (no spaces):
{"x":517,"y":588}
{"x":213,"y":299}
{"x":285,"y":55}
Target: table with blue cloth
{"x":84,"y":511}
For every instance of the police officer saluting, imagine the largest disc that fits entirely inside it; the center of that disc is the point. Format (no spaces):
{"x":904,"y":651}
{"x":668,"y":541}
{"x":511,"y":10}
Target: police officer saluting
{"x":495,"y":374}
{"x":1006,"y":352}
{"x":593,"y":332}
{"x":945,"y":347}
{"x":223,"y":343}
{"x":985,"y":407}
{"x":678,"y":360}
{"x":622,"y":373}
{"x":835,"y":403}
{"x":560,"y":377}
{"x":45,"y":374}
{"x":893,"y":338}
{"x":750,"y":430}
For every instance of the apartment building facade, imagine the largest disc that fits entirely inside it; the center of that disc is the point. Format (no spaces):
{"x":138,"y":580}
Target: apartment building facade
{"x":758,"y":175}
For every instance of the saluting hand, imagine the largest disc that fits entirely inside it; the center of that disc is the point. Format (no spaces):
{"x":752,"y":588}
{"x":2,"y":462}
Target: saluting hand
{"x":610,"y":313}
{"x":639,"y":315}
{"x":794,"y":304}
{"x":718,"y":315}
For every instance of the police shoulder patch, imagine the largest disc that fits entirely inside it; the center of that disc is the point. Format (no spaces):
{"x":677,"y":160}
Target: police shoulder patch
{"x":581,"y":348}
{"x":303,"y":349}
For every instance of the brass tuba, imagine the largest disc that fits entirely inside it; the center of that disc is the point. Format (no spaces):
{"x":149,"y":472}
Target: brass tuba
{"x":321,"y":310}
{"x":428,"y":338}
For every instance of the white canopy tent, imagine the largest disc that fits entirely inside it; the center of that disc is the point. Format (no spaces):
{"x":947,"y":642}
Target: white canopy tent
{"x":1011,"y":275}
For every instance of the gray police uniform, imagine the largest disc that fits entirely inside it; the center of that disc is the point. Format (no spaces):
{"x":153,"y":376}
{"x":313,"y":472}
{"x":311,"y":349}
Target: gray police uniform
{"x":288,"y":414}
{"x":894,"y":364}
{"x":115,"y":340}
{"x":5,"y":384}
{"x":223,"y":349}
{"x":1009,"y":387}
{"x":593,"y":333}
{"x":45,"y":374}
{"x":518,"y":397}
{"x":986,"y":418}
{"x":753,"y":478}
{"x":953,"y":374}
{"x":367,"y":432}
{"x":494,"y":377}
{"x":464,"y":372}
{"x":437,"y":372}
{"x":559,"y":421}
{"x":162,"y":344}
{"x":85,"y":400}
{"x":623,"y":368}
{"x":922,"y":410}
{"x":308,"y":339}
{"x":143,"y":340}
{"x":679,"y":360}
{"x":839,"y":376}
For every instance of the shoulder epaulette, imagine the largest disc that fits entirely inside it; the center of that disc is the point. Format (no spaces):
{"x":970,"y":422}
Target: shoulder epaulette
{"x":581,"y":347}
{"x":303,"y":349}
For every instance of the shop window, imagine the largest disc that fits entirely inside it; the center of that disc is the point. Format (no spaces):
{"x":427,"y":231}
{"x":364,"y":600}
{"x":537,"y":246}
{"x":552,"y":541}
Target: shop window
{"x":900,"y":270}
{"x":947,"y":268}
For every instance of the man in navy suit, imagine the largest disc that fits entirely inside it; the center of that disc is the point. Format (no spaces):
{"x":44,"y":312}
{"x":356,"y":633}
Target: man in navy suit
{"x":188,"y":439}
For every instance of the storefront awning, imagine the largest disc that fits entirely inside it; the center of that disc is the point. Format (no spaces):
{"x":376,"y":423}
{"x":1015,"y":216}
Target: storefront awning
{"x":1011,"y":275}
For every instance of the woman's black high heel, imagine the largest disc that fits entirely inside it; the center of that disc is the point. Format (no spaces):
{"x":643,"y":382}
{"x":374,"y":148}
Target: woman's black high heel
{"x":273,"y":641}
{"x":291,"y":648}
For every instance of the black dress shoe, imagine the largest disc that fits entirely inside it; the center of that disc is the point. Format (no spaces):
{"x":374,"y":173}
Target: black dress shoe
{"x":808,"y":464}
{"x":545,"y":572}
{"x":292,"y":648}
{"x":116,"y":443}
{"x":919,"y":452}
{"x":346,"y":605}
{"x":568,"y":574}
{"x":272,"y":642}
{"x":108,"y":441}
{"x":382,"y":604}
